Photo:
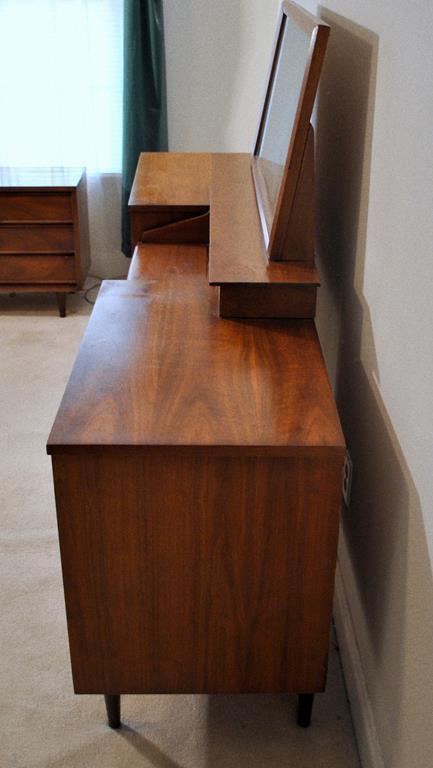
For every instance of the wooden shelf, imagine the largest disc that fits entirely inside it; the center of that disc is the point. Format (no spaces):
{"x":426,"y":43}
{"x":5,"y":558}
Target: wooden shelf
{"x":169,"y":192}
{"x":171,"y":179}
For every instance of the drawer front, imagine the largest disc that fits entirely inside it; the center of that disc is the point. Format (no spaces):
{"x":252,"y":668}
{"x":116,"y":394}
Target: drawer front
{"x":38,"y":268}
{"x":36,"y":237}
{"x":35,"y":206}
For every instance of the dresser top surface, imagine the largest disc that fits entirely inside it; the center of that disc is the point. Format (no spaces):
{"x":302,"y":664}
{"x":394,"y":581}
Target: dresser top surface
{"x":39,"y":178}
{"x":159,"y":368}
{"x":173,"y":179}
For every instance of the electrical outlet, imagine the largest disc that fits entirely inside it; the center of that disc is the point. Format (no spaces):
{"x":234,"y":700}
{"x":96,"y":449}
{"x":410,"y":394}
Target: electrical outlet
{"x":347,"y":478}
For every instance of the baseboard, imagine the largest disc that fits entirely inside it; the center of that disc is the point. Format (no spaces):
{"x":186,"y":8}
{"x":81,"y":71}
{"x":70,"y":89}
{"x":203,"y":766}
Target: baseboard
{"x":360,"y":705}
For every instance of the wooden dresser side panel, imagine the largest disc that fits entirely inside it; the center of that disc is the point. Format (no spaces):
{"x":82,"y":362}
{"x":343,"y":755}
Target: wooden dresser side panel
{"x":198,"y":574}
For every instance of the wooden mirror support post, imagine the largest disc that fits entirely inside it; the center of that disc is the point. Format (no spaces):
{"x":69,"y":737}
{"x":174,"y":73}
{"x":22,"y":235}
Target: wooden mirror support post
{"x":297,"y":241}
{"x":285,"y":190}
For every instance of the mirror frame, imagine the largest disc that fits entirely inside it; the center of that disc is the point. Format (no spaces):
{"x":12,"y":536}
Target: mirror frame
{"x":319,"y":33}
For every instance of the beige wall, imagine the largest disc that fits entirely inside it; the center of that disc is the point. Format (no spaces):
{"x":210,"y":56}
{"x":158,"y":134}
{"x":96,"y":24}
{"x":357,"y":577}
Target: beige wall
{"x":374,"y":160}
{"x":375,"y":146}
{"x":217,"y":57}
{"x":104,"y":195}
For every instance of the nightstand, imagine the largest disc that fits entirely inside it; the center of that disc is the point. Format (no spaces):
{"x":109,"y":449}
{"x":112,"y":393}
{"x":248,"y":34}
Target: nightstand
{"x":44,"y":240}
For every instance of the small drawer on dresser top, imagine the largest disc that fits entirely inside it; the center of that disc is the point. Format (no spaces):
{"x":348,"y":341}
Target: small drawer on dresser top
{"x":35,"y":206}
{"x":30,"y":238}
{"x":37,"y":268}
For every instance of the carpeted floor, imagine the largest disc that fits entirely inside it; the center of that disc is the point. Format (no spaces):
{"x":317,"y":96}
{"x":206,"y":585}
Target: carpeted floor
{"x":43,"y":725}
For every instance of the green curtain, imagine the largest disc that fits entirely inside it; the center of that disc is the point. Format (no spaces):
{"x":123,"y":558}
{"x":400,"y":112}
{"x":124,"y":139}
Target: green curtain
{"x":144,"y":93}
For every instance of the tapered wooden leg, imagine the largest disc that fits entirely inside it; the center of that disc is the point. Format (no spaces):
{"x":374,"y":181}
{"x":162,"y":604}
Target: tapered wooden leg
{"x":112,"y":703}
{"x":61,"y":302}
{"x":305,"y":708}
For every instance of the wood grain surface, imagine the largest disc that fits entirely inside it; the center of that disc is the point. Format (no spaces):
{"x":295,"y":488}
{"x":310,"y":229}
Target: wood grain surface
{"x":44,"y":236}
{"x":170,"y":188}
{"x":294,"y":301}
{"x":159,"y":368}
{"x":191,"y":574}
{"x":37,"y":268}
{"x":237,"y":252}
{"x":39,"y":238}
{"x":158,"y":262}
{"x":142,"y":218}
{"x":175,"y":179}
{"x":254,"y":300}
{"x":192,"y":229}
{"x":35,"y":206}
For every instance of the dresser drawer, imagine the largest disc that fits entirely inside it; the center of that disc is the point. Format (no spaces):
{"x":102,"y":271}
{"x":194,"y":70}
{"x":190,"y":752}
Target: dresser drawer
{"x":37,"y":268}
{"x":36,"y":237}
{"x":35,"y":206}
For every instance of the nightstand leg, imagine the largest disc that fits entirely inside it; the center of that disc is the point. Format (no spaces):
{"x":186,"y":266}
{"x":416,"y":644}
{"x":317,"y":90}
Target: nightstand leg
{"x":61,"y":302}
{"x":112,"y":703}
{"x":305,"y":707}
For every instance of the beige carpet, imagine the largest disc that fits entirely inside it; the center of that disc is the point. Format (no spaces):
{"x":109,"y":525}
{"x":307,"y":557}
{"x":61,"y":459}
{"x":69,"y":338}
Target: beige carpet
{"x":42,"y":723}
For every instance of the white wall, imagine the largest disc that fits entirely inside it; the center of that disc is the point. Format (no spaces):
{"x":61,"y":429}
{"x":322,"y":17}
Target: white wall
{"x":104,"y":201}
{"x":374,"y":155}
{"x":217,"y":56}
{"x":375,"y":222}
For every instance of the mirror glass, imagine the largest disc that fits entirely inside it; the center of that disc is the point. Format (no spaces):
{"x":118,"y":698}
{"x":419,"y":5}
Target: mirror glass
{"x":281,"y":105}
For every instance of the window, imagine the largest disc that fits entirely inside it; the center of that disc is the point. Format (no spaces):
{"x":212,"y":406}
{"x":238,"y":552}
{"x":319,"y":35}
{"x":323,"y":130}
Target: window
{"x":61,"y":83}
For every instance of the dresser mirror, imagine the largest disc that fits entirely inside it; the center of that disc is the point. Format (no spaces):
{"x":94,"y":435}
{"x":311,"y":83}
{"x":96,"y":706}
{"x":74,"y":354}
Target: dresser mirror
{"x":285,"y":120}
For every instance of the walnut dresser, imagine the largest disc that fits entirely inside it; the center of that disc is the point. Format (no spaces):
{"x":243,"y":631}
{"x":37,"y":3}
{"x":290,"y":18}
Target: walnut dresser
{"x":198,"y":462}
{"x":44,"y":242}
{"x":197,"y":452}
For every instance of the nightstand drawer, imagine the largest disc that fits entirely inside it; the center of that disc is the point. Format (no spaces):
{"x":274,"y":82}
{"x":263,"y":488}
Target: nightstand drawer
{"x":37,"y":268}
{"x":35,"y":206}
{"x":36,"y":237}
